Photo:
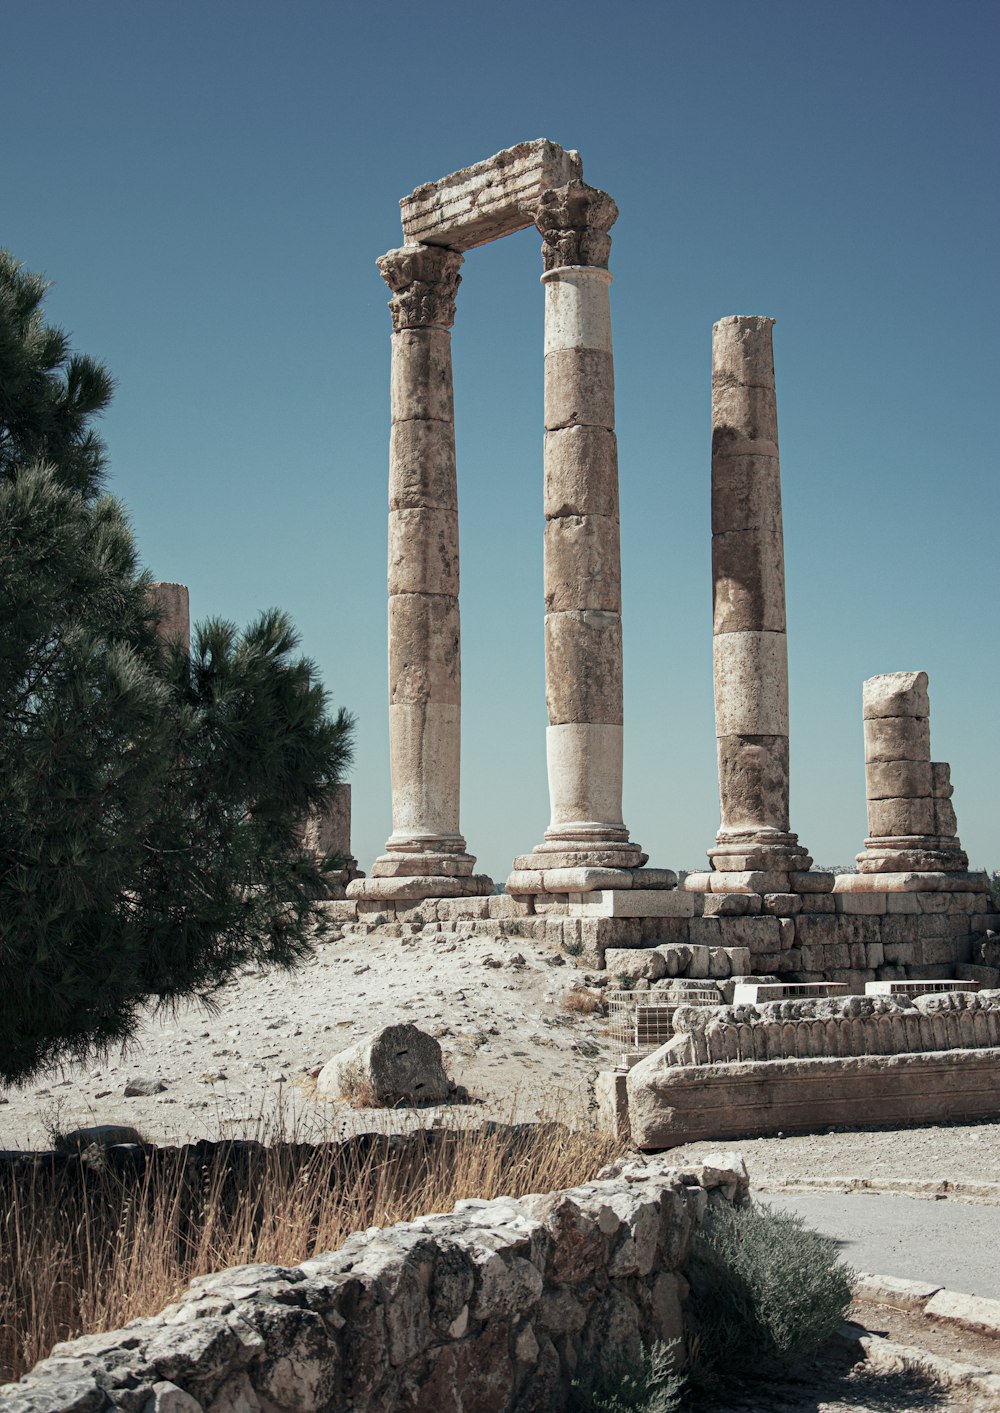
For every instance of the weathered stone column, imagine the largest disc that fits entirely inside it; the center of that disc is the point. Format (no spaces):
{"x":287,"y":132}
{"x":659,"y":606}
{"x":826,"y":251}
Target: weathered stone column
{"x":748,"y":575}
{"x":911,"y":820}
{"x":173,"y":603}
{"x":586,"y":841}
{"x":425,"y":854}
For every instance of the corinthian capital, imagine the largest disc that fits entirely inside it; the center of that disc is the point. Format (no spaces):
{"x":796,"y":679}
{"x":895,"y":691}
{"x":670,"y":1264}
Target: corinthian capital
{"x":424,"y":280}
{"x":574,"y":221}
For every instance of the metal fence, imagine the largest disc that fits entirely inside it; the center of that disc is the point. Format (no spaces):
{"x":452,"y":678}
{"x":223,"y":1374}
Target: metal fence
{"x":644,"y":1020}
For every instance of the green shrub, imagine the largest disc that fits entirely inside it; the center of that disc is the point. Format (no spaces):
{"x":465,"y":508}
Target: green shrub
{"x":652,"y":1388}
{"x":765,"y":1290}
{"x":994,"y":894}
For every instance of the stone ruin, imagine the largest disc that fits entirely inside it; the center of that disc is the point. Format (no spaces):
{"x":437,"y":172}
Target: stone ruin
{"x":913,"y":913}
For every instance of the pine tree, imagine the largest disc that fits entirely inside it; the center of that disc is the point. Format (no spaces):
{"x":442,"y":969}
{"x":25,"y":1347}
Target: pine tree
{"x":150,"y":800}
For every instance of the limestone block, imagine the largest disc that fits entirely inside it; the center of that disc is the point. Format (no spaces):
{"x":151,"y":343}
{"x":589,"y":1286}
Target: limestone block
{"x":422,"y":466}
{"x":902,"y":903}
{"x":945,"y":822}
{"x":582,"y":564}
{"x":423,"y":552}
{"x":739,"y":960}
{"x":746,"y":491}
{"x":741,"y":417}
{"x":748,"y":577}
{"x":751,"y":684}
{"x":424,"y":649}
{"x":633,"y":902}
{"x":786,"y":929}
{"x":760,"y":934}
{"x":420,"y":383}
{"x":782,"y":904}
{"x":638,"y":963}
{"x":744,"y":881}
{"x":732,"y":904}
{"x":579,"y":389}
{"x":696,"y":882}
{"x":424,"y":752}
{"x":399,"y":1064}
{"x":490,"y":199}
{"x":896,"y":738}
{"x":584,"y":763}
{"x":813,"y":880}
{"x":888,"y":818}
{"x":705,"y":932}
{"x":753,"y":779}
{"x":865,"y":904}
{"x":942,"y":787}
{"x":577,"y":308}
{"x":899,"y":779}
{"x":896,"y":694}
{"x":581,"y":472}
{"x":583,"y":667}
{"x":742,"y":348}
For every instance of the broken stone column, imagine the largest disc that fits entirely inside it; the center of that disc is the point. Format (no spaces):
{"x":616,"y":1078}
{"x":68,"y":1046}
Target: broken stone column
{"x":586,"y":845}
{"x":425,"y":855}
{"x":911,"y":820}
{"x":748,"y":576}
{"x":327,"y":834}
{"x":174,"y":626}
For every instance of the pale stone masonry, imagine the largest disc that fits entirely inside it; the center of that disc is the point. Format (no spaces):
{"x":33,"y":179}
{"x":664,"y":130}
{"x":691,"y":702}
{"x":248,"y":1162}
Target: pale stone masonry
{"x":173,"y":603}
{"x":911,"y":820}
{"x":426,"y":854}
{"x":583,"y":636}
{"x":748,"y":576}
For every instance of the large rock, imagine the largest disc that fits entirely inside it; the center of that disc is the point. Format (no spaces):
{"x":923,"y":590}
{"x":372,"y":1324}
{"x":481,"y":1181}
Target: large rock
{"x":397,"y":1065}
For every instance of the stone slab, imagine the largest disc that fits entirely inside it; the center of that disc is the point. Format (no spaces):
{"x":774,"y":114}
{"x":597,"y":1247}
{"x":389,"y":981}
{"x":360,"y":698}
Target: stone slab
{"x":961,"y":881}
{"x":894,"y":1291}
{"x":971,"y":1312}
{"x":487,"y":200}
{"x":389,"y":889}
{"x":632,"y":902}
{"x":719,"y":1102}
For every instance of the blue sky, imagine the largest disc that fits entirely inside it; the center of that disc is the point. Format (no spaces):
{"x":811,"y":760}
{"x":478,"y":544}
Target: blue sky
{"x":208,"y":186}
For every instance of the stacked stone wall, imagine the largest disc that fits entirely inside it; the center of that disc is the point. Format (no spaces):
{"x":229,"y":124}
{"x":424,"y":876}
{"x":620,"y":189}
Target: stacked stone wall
{"x":494,"y":1307}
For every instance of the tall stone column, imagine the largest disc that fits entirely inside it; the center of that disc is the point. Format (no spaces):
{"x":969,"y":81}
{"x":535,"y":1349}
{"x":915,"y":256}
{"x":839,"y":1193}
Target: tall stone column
{"x":425,"y":855}
{"x":748,"y":576}
{"x":911,"y":820}
{"x":586,"y":845}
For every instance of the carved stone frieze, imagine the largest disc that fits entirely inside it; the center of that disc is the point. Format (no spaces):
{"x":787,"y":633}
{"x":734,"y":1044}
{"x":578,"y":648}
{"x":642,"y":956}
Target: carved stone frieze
{"x":574,"y":221}
{"x":424,"y":280}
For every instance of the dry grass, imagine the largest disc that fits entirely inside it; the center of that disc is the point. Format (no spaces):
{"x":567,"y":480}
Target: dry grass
{"x":581,"y":1002}
{"x":86,"y":1251}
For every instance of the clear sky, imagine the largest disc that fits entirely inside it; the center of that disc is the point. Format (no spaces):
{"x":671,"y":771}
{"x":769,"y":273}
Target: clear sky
{"x":208,"y":186}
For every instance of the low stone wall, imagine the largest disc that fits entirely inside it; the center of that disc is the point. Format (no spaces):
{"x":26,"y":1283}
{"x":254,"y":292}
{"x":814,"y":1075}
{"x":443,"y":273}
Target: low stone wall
{"x":832,"y":1027}
{"x":665,"y":1105}
{"x":494,"y":1307}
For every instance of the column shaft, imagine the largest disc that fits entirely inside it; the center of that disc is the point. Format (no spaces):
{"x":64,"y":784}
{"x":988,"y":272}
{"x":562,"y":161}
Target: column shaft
{"x":750,"y":644}
{"x":583,"y":641}
{"x":425,"y":854}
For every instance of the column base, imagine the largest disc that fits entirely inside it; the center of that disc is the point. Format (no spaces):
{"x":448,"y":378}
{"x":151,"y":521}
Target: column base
{"x":414,"y":887}
{"x":760,"y":850}
{"x":913,"y":853}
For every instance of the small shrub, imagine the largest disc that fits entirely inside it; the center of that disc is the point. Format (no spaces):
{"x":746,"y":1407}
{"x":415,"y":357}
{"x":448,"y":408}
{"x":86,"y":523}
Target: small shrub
{"x":379,"y":920}
{"x":513,"y":929}
{"x":417,"y":919}
{"x":994,"y":894}
{"x":652,"y":1388}
{"x":572,"y":948}
{"x":581,"y":1002}
{"x":765,"y":1289}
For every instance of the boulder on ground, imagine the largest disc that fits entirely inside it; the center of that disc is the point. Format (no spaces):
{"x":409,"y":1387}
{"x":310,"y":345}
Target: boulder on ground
{"x":397,"y":1065}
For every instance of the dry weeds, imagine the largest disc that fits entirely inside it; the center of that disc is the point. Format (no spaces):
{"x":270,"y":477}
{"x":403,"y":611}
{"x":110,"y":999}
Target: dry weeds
{"x":88,"y":1250}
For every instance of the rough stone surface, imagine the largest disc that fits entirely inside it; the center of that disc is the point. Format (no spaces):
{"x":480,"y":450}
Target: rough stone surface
{"x":492,"y":1307}
{"x":400,"y":1064}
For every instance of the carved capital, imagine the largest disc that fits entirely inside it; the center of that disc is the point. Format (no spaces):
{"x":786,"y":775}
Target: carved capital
{"x":424,"y":280}
{"x":574,"y":221}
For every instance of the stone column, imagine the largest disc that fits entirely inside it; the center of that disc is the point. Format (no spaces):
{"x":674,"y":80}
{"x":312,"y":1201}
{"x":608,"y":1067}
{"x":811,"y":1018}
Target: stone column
{"x":748,"y":577}
{"x":425,"y":855}
{"x":173,"y":603}
{"x":911,"y":820}
{"x":586,"y":839}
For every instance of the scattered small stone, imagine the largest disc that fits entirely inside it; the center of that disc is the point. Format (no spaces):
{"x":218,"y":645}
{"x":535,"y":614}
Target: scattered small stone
{"x":516,"y":960}
{"x":141,"y":1088}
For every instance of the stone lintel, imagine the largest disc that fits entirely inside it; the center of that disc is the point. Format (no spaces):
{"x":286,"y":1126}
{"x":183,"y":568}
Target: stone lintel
{"x":489,"y":199}
{"x":581,"y":880}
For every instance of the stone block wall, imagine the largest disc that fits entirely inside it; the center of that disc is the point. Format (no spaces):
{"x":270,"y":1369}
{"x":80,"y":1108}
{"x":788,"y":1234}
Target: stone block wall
{"x":850,"y":937}
{"x":494,"y":1307}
